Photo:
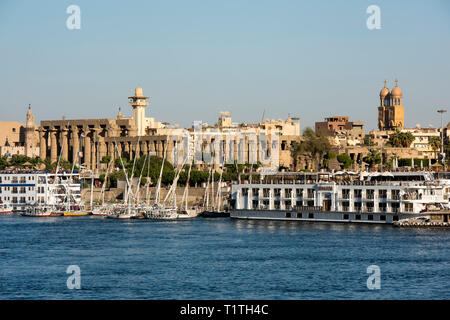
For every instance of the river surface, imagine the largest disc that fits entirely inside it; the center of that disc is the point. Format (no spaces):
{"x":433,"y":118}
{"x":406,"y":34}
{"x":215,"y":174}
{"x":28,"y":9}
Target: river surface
{"x":218,"y":259}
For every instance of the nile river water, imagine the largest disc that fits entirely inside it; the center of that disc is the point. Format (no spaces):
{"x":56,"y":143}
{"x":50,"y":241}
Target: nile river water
{"x":218,"y":259}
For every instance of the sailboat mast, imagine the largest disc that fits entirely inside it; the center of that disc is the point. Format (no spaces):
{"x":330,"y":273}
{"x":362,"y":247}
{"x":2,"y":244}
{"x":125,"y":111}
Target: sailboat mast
{"x":186,"y":188}
{"x":158,"y":188}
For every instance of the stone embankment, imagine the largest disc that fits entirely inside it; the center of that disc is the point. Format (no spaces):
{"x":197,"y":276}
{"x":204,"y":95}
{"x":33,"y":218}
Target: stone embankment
{"x":116,"y":195}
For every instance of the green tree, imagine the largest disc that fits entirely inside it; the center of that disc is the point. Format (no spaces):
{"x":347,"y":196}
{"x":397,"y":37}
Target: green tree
{"x":374,"y":157}
{"x":106,"y":159}
{"x":435,"y":144}
{"x":315,"y":146}
{"x":3,"y":163}
{"x":400,"y":139}
{"x":345,"y":160}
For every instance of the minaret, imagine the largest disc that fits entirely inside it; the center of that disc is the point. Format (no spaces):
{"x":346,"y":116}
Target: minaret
{"x":29,"y":133}
{"x":139,"y":102}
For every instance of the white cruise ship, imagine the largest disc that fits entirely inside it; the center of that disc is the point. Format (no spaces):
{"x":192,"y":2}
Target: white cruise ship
{"x":22,"y":188}
{"x":379,"y":197}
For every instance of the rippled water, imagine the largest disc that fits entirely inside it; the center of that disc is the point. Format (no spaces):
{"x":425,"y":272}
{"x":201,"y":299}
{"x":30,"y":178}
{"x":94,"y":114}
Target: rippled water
{"x":218,"y":259}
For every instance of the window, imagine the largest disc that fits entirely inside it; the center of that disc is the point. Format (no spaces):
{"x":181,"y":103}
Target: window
{"x":408,"y":207}
{"x":299,"y":215}
{"x":383,"y":217}
{"x":288,"y":204}
{"x":277,"y":204}
{"x":370,"y":217}
{"x":357,"y":217}
{"x":345,"y":216}
{"x":288,"y":193}
{"x":288,"y":214}
{"x":311,"y":216}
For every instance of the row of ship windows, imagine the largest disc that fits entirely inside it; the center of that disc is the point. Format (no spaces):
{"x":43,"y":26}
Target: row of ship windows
{"x":20,"y":179}
{"x":357,"y":193}
{"x":17,"y":199}
{"x":344,"y":216}
{"x":21,"y":189}
{"x":344,"y":206}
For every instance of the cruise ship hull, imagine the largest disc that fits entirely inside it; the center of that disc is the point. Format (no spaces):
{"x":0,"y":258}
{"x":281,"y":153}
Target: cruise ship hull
{"x":320,"y":216}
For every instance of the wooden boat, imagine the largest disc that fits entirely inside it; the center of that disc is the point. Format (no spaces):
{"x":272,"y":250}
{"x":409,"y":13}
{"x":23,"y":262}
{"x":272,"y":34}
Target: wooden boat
{"x":215,"y":214}
{"x":38,"y":211}
{"x":76,"y":213}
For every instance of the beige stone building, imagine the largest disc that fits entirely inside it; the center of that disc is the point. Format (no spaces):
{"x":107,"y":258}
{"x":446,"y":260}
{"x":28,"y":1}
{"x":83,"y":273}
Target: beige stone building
{"x":88,"y":141}
{"x":17,"y":138}
{"x":341,"y":131}
{"x":268,"y":142}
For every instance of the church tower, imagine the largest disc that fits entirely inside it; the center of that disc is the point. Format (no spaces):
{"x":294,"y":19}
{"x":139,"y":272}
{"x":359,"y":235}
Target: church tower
{"x":139,"y":102}
{"x":391,"y":112}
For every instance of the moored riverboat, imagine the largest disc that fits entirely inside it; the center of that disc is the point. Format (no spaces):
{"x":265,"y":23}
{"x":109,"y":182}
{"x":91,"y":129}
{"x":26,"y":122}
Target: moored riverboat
{"x":373,"y":198}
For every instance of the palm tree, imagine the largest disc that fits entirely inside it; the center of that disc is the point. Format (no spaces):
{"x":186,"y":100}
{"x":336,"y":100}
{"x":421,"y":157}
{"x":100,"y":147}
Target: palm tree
{"x":435,"y":144}
{"x":401,"y":139}
{"x":374,"y":157}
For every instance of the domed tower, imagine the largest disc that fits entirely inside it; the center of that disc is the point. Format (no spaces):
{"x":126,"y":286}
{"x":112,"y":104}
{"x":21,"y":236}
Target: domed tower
{"x":30,"y":127}
{"x":391,"y":115}
{"x":397,"y":110}
{"x":385,"y":97}
{"x":139,"y":102}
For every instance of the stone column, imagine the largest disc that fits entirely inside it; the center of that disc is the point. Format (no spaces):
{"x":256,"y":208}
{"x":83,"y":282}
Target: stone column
{"x":127,"y":150}
{"x":42,"y":145}
{"x":102,"y":150}
{"x":53,"y":146}
{"x":87,"y":151}
{"x":152,"y":146}
{"x":93,"y":154}
{"x":137,"y":152}
{"x":170,"y":148}
{"x":65,"y":144}
{"x":76,"y":143}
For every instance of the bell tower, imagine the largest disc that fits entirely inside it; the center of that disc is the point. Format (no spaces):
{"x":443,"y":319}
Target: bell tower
{"x":391,"y":112}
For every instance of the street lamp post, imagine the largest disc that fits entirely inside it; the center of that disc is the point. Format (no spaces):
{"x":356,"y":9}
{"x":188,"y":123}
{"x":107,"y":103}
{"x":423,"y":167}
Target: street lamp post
{"x":442,"y":111}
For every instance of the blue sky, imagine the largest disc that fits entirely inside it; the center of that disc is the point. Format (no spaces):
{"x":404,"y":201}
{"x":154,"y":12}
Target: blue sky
{"x":310,"y":59}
